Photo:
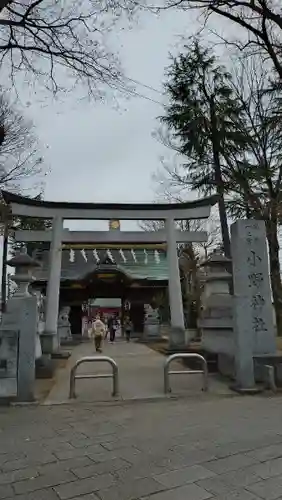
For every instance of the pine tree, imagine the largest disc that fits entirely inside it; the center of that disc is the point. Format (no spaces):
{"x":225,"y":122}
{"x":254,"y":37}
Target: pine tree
{"x":202,"y":115}
{"x":229,"y":128}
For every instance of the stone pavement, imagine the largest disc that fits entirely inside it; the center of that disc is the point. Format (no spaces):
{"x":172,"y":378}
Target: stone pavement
{"x":140,"y":374}
{"x":222,"y":449}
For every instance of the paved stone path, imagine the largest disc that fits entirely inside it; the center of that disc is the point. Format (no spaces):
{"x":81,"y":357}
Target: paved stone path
{"x":140,"y":373}
{"x":222,"y":449}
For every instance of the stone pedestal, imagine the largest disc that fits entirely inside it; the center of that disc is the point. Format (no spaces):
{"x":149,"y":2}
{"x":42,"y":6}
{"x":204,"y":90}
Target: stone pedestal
{"x":46,"y":340}
{"x":177,"y":339}
{"x":27,"y":311}
{"x":48,"y":343}
{"x":9,"y":343}
{"x":22,"y":316}
{"x":64,"y":330}
{"x":216,"y":320}
{"x":151,"y":324}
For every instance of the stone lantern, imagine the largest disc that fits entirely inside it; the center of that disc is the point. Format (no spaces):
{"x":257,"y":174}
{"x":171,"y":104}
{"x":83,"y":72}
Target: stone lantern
{"x":217,"y":277}
{"x":24,"y":265}
{"x":21,"y":317}
{"x":216,"y":320}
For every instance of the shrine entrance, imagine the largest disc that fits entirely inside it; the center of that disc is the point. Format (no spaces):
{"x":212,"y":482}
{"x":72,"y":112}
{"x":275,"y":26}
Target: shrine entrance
{"x":132,"y":265}
{"x":136,"y":275}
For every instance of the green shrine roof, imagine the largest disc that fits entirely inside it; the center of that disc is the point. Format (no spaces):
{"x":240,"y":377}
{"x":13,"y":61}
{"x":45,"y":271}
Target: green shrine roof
{"x":137,"y":263}
{"x":154,"y":267}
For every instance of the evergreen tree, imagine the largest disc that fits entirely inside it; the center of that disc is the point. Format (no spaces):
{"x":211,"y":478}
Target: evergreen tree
{"x":202,"y":115}
{"x":229,"y":129}
{"x":31,"y":224}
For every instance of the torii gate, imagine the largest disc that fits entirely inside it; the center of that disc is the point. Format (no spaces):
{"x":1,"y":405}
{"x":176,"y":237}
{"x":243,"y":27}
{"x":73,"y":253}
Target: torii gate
{"x":60,"y":211}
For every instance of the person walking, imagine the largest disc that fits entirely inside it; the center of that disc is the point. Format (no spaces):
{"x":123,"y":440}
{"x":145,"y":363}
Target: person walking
{"x":128,"y":328}
{"x":99,"y":331}
{"x":113,"y":330}
{"x":89,"y":329}
{"x":107,"y":327}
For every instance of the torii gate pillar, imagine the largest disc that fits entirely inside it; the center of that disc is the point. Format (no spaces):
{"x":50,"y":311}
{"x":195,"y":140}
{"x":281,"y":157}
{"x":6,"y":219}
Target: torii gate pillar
{"x":177,"y":327}
{"x":50,"y":338}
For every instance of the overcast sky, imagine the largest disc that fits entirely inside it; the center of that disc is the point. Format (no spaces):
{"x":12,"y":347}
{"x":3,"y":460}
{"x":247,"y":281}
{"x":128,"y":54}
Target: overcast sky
{"x":99,"y":152}
{"x":103,"y":152}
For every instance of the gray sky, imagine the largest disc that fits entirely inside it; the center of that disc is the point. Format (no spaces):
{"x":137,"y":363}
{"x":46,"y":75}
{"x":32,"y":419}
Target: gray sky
{"x":104,"y":152}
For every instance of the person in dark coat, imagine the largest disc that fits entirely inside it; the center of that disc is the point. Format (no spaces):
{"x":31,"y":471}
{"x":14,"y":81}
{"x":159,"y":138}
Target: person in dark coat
{"x":128,"y":329}
{"x":112,"y":328}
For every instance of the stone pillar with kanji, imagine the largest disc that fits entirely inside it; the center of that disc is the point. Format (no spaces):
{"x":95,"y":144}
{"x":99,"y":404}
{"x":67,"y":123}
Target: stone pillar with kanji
{"x":253,"y":312}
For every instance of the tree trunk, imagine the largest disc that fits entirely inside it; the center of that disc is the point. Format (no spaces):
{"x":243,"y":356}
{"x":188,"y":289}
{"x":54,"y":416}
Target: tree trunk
{"x":219,"y":182}
{"x":4,"y":267}
{"x":275,"y":278}
{"x":248,"y":211}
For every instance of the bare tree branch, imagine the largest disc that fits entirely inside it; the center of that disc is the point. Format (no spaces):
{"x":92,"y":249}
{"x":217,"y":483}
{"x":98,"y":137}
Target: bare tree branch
{"x":49,"y":38}
{"x":211,"y":226}
{"x":19,"y":155}
{"x":261,"y":20}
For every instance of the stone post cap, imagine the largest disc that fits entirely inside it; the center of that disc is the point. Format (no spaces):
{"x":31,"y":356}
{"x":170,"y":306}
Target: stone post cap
{"x":23,"y":260}
{"x":216,"y":259}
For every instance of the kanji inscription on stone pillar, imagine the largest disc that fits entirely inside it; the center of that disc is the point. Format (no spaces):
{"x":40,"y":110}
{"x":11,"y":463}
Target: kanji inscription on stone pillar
{"x":253,"y":310}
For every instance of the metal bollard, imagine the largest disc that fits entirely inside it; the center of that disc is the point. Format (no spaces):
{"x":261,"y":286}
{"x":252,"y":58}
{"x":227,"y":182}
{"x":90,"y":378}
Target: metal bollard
{"x":94,"y":359}
{"x":173,"y":357}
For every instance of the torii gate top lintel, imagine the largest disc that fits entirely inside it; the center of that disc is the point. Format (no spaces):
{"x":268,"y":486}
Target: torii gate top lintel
{"x":32,"y":207}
